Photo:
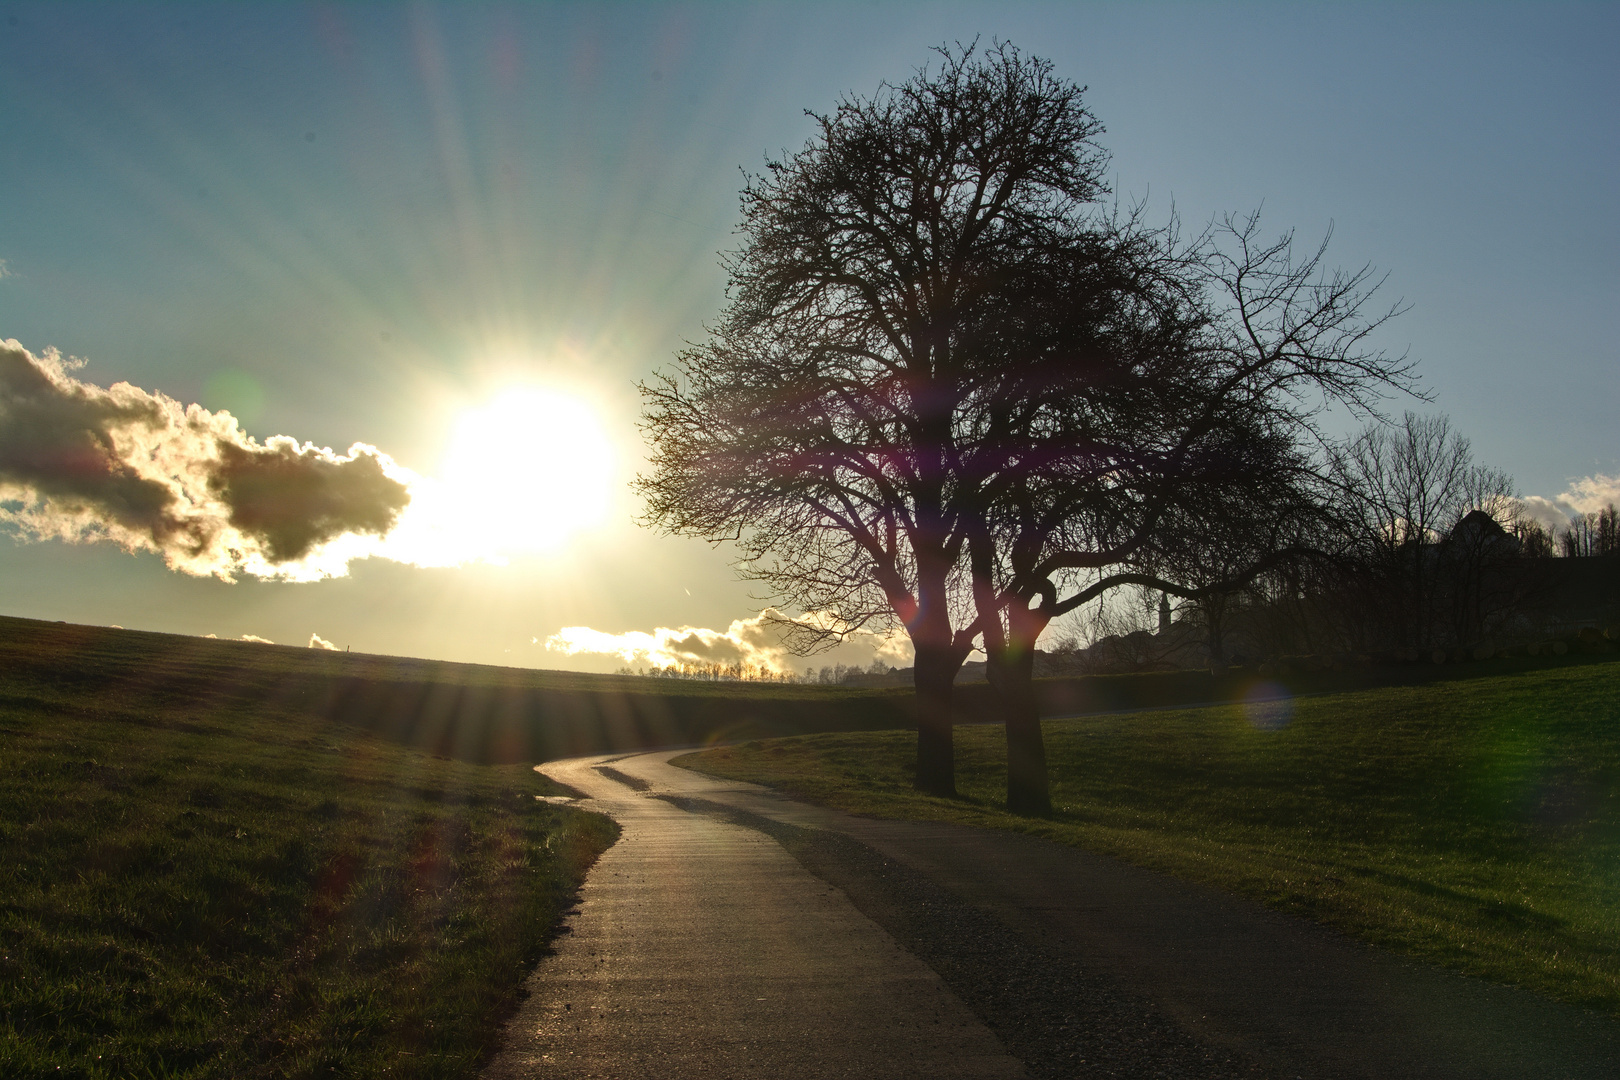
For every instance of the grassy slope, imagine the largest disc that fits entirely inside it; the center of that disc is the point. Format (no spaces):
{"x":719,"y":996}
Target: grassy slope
{"x":471,"y":711}
{"x":203,"y":878}
{"x":1475,"y":824}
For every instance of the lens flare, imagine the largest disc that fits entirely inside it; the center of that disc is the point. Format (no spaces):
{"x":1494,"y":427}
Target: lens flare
{"x":1268,"y":706}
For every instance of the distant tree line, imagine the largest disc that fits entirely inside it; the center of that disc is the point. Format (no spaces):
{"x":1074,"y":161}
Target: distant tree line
{"x":1424,"y":549}
{"x":1591,"y":534}
{"x":830,"y":675}
{"x":698,"y":671}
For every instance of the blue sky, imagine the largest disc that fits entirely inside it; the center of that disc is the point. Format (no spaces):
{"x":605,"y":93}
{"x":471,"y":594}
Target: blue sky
{"x":352,"y":223}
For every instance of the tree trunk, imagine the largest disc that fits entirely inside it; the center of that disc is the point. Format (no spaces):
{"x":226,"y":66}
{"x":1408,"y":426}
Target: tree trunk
{"x":1215,"y":620}
{"x":1028,"y":790}
{"x":934,"y":675}
{"x":1011,"y":671}
{"x":938,"y":658}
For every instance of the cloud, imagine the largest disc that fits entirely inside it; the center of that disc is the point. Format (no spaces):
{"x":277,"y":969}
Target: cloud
{"x":758,"y":643}
{"x":257,"y":638}
{"x":82,"y":463}
{"x":1590,"y":494}
{"x":1587,"y":495}
{"x":318,"y":642}
{"x":6,"y":271}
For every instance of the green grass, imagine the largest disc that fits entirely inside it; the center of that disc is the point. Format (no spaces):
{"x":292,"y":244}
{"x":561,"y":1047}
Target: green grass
{"x":474,"y":712}
{"x":1473,"y":824}
{"x":203,"y":878}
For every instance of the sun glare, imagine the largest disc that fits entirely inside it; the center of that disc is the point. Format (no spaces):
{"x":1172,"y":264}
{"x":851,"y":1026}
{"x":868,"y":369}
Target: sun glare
{"x":528,"y":470}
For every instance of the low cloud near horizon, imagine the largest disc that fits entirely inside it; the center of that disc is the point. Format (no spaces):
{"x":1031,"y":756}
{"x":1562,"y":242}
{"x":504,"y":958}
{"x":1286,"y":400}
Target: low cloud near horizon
{"x":84,"y":463}
{"x":1587,"y":495}
{"x":758,"y":643}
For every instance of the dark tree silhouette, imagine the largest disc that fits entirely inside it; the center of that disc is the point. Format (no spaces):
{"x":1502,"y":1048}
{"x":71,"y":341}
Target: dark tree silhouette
{"x":1181,"y":449}
{"x":1592,"y":534}
{"x":820,"y":425}
{"x":951,"y":390}
{"x":1406,"y":489}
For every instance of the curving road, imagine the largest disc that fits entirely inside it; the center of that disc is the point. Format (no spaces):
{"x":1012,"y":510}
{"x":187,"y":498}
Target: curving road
{"x":703,"y":949}
{"x":735,"y":933}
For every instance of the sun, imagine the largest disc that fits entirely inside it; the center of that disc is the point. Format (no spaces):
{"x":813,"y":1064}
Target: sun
{"x":528,"y":470}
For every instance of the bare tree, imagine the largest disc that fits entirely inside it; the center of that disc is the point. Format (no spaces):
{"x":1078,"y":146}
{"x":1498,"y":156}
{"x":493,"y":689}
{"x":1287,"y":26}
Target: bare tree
{"x":1591,"y":534}
{"x":1206,"y":477}
{"x":951,"y":391}
{"x":1535,"y":542}
{"x":818,"y":427}
{"x":1408,"y":489}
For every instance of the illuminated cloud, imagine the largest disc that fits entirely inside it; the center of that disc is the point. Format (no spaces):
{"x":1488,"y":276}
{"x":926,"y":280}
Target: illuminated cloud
{"x":81,"y":463}
{"x":758,"y":643}
{"x":256,"y":638}
{"x":1587,"y":495}
{"x":318,"y":642}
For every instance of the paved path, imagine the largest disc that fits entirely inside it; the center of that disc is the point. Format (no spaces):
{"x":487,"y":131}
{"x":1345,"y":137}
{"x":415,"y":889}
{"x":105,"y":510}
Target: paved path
{"x":703,"y":949}
{"x":1078,"y":964}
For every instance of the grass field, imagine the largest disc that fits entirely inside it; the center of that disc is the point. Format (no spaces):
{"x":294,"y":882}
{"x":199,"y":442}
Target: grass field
{"x":1474,"y":824}
{"x":474,"y":712}
{"x":204,"y":878}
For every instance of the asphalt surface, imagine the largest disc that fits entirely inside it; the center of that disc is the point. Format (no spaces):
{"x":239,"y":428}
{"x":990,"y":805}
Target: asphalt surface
{"x":701,"y":948}
{"x":733,"y":932}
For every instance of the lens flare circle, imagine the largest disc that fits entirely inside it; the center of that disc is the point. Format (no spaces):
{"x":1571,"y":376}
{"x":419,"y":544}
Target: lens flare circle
{"x":529,"y":470}
{"x":1268,"y":706}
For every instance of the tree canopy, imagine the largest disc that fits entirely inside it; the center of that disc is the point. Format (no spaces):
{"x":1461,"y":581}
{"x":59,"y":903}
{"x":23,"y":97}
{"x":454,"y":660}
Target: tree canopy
{"x":952,"y":387}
